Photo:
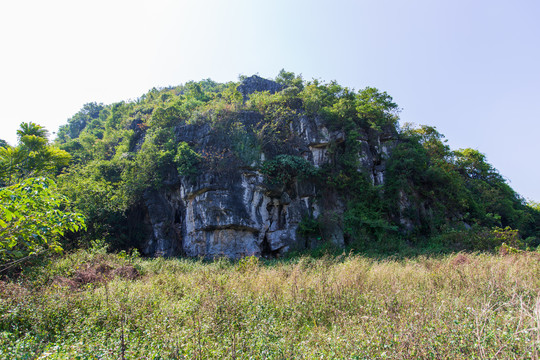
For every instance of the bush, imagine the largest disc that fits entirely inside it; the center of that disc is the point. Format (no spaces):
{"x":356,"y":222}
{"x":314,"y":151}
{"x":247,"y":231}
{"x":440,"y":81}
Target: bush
{"x":283,"y":168}
{"x":186,"y":160}
{"x":480,"y":239}
{"x":33,"y":216}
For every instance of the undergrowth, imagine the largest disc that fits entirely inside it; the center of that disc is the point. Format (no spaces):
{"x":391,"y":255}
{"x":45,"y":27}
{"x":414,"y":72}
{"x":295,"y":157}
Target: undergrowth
{"x":111,"y":306}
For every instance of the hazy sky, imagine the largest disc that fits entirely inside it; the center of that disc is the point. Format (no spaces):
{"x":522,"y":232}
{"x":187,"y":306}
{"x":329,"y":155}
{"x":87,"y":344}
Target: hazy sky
{"x":470,"y":68}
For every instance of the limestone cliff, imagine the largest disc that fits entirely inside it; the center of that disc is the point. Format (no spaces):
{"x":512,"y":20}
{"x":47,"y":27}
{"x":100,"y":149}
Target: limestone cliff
{"x":231,"y":209}
{"x":262,"y":167}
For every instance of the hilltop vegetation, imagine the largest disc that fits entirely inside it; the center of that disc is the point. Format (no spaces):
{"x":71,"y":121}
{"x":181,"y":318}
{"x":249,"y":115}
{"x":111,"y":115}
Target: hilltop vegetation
{"x":431,"y":195}
{"x":120,"y":150}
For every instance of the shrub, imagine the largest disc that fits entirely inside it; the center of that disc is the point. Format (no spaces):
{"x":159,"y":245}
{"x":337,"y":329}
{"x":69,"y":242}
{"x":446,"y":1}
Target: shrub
{"x":480,"y":239}
{"x":186,"y":160}
{"x":283,"y":168}
{"x":33,"y":216}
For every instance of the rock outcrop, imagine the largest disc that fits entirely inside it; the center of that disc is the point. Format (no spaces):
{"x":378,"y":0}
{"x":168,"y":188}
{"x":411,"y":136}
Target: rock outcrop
{"x":234,"y":211}
{"x":256,"y":83}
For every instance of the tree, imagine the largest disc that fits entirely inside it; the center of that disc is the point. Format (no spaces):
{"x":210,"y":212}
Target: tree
{"x":33,"y":217}
{"x":186,"y":160}
{"x":472,"y":164}
{"x":79,"y":121}
{"x":289,"y":79}
{"x":32,"y":157}
{"x":10,"y":160}
{"x":377,"y":108}
{"x":31,"y":129}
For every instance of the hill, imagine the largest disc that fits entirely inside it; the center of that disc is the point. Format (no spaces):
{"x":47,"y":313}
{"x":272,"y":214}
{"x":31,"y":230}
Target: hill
{"x":262,"y":167}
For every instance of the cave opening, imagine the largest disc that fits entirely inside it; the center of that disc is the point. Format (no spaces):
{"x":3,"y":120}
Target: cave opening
{"x":266,"y":250}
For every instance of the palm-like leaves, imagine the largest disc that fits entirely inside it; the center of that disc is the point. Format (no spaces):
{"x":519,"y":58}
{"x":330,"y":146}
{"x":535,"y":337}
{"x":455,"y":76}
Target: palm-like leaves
{"x":31,"y":128}
{"x":32,"y":157}
{"x":11,"y":159}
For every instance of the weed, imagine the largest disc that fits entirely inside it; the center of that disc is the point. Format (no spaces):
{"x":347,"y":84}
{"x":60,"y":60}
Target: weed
{"x":458,"y":306}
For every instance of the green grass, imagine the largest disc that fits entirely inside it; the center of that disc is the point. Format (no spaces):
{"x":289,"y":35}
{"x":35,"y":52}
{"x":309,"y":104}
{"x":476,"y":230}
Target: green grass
{"x":460,"y":306}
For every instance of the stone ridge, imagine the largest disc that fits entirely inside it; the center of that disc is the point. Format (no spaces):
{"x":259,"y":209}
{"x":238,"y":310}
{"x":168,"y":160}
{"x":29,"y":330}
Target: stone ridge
{"x":256,"y":83}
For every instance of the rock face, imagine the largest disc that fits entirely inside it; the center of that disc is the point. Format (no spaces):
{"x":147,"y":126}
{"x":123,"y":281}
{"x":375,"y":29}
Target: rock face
{"x":233,"y":211}
{"x":256,"y":83}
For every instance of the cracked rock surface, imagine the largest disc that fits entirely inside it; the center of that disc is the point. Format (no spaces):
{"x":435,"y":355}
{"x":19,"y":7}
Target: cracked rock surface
{"x":234,"y":212}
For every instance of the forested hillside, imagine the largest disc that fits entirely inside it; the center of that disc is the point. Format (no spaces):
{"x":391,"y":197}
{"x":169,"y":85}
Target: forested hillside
{"x":328,"y":165}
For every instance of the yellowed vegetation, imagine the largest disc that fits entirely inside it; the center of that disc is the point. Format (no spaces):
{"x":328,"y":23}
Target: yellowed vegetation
{"x":463,"y":306}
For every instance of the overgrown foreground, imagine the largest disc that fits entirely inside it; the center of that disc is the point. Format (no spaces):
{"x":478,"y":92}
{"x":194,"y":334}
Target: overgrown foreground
{"x":103,"y":306}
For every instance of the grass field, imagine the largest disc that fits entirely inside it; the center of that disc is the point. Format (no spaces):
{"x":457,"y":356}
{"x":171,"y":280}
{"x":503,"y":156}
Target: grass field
{"x":105,"y":306}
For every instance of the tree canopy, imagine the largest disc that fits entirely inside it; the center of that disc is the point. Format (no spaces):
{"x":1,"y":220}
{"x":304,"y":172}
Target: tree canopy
{"x":33,"y":217}
{"x":33,"y":214}
{"x":32,"y":157}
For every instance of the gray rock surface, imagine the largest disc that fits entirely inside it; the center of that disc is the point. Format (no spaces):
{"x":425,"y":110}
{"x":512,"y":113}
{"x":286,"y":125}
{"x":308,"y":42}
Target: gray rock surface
{"x":256,"y":83}
{"x":232,"y":211}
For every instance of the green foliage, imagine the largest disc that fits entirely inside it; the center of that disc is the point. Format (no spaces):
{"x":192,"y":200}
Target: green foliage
{"x":364,"y":224}
{"x":489,"y":191}
{"x":195,"y":91}
{"x":33,"y":132}
{"x":33,"y":217}
{"x":284,"y":168}
{"x":79,"y":121}
{"x":317,"y":97}
{"x":247,"y":264}
{"x":10,"y":160}
{"x":534,"y":205}
{"x":121,"y":150}
{"x":290,"y":80}
{"x":473,"y":165}
{"x":168,"y":114}
{"x":32,"y":157}
{"x":480,"y":239}
{"x":231,"y":95}
{"x":153,"y":163}
{"x":273,"y":106}
{"x":441,"y":187}
{"x":118,"y":113}
{"x":376,"y":108}
{"x":186,"y":160}
{"x":273,"y":132}
{"x":244,"y":143}
{"x":309,"y":227}
{"x":97,"y":192}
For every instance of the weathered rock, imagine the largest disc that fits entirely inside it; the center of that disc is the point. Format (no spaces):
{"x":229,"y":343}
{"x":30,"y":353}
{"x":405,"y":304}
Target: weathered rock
{"x":256,"y":83}
{"x":165,"y":239}
{"x":232,"y":211}
{"x":139,"y":133}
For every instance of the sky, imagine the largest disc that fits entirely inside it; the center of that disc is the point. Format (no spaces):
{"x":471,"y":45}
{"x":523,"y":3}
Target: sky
{"x":469,"y":68}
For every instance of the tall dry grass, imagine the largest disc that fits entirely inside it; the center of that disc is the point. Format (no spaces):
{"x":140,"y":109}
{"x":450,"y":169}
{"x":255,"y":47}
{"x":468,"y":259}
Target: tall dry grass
{"x":463,"y":306}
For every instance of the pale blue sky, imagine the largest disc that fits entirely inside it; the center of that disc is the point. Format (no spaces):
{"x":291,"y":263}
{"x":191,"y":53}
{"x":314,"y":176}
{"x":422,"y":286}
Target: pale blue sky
{"x":470,"y":68}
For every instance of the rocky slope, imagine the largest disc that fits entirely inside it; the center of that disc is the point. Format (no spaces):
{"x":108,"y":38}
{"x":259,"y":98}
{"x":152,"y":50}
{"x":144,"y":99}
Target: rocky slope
{"x":262,"y":167}
{"x":235,"y":211}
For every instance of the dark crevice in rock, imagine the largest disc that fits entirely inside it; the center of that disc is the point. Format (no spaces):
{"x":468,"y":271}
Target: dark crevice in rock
{"x":266,"y":249}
